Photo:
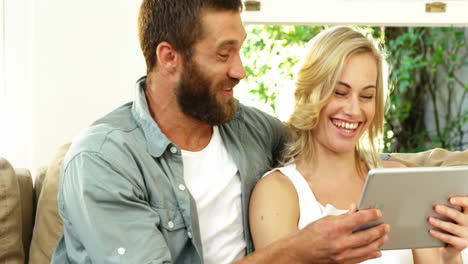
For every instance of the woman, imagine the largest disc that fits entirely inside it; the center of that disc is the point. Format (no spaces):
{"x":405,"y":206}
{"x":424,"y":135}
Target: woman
{"x":338,"y":116}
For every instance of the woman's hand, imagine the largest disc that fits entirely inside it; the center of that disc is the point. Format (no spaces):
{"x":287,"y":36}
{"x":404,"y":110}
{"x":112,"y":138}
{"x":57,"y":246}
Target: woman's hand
{"x":457,"y":240}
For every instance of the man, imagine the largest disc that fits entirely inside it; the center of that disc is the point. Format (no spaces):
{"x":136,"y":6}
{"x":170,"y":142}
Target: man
{"x":167,"y":178}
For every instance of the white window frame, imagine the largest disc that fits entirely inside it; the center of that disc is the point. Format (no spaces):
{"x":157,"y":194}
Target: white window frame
{"x":359,"y":12}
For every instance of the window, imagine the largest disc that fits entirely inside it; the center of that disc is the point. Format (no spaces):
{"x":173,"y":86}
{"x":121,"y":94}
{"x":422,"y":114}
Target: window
{"x":436,"y":64}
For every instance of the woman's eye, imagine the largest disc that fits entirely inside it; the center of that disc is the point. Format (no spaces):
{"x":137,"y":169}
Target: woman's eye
{"x":367,"y":96}
{"x":340,"y":93}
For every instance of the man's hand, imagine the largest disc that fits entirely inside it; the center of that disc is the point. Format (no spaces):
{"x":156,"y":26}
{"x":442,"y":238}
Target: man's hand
{"x":331,"y":239}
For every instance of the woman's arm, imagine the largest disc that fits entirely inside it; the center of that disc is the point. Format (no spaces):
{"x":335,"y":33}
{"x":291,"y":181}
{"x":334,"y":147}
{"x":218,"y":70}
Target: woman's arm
{"x":274,"y":209}
{"x":426,"y":255}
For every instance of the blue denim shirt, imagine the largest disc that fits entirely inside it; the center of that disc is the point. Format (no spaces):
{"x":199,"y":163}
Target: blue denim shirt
{"x":119,"y":195}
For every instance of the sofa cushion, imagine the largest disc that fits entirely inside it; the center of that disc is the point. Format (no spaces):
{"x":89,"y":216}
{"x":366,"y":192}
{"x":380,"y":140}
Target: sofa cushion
{"x":11,"y":245}
{"x":48,"y":226}
{"x":38,"y":180}
{"x":27,"y":206}
{"x":434,"y":157}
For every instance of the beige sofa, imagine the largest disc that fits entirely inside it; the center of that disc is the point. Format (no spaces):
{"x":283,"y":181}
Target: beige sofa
{"x":29,"y":221}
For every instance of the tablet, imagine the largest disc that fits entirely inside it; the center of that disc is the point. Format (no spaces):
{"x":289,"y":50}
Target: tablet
{"x":406,"y":196}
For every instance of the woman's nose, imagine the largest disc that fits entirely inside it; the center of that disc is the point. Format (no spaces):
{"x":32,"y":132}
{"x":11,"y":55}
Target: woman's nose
{"x":352,"y":107}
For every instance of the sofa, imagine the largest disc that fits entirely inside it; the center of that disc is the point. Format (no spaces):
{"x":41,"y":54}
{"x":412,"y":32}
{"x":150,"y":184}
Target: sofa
{"x":29,"y":222}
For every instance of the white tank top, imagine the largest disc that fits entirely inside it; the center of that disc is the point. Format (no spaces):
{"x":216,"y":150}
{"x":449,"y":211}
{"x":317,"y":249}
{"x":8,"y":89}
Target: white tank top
{"x":311,"y":210}
{"x":213,"y":180}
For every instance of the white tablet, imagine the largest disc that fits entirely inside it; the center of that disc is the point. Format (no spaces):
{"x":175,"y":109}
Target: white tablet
{"x":406,"y":197}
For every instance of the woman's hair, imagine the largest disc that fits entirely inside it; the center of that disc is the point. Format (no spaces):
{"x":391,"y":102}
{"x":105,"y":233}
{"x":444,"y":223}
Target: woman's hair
{"x":316,"y":81}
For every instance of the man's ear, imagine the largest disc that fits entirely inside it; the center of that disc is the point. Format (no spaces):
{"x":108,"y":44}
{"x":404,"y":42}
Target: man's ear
{"x":168,"y":58}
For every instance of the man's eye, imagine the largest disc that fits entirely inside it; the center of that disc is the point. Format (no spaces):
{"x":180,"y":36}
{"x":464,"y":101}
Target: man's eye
{"x":223,"y":56}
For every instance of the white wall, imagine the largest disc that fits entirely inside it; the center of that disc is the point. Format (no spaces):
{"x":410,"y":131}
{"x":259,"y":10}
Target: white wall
{"x":86,"y":61}
{"x":16,"y":108}
{"x":74,"y":61}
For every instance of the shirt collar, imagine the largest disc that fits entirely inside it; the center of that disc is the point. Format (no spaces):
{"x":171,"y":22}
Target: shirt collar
{"x":156,"y":141}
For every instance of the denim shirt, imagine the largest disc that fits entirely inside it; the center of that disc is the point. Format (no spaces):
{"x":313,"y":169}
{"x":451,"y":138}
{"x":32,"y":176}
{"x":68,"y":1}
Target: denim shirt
{"x":122,"y":197}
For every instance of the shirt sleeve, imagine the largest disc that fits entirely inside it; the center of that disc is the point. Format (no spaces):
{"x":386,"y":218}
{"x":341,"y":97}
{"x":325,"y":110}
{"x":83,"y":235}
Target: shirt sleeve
{"x":280,"y":140}
{"x":106,"y":214}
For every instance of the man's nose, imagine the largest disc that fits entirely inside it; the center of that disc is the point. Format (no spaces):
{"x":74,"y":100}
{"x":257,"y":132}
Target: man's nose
{"x":237,"y":70}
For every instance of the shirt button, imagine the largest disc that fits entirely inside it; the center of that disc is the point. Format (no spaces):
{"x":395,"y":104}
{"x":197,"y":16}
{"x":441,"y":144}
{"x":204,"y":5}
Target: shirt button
{"x":121,"y":251}
{"x":173,"y":150}
{"x":189,"y":234}
{"x":181,"y":187}
{"x":170,"y":224}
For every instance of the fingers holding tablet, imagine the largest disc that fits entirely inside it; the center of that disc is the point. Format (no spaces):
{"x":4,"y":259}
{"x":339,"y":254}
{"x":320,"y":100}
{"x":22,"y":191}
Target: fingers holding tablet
{"x":373,"y":233}
{"x":455,"y":233}
{"x":462,"y":203}
{"x":365,"y":244}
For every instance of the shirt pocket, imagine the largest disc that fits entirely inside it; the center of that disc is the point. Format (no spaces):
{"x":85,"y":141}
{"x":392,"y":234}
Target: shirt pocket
{"x":174,"y":230}
{"x":170,"y":220}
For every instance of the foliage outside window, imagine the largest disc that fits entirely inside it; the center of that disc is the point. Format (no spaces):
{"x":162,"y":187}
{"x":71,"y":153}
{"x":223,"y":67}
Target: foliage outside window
{"x":427,"y":106}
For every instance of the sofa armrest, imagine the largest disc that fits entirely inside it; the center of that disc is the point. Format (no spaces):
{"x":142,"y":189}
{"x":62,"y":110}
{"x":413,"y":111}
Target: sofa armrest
{"x":27,"y":206}
{"x":11,"y":244}
{"x":434,"y":157}
{"x":48,"y":227}
{"x":38,"y":182}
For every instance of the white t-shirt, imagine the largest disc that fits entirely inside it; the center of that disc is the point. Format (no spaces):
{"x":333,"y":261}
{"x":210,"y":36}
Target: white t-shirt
{"x":311,"y":210}
{"x":213,"y":180}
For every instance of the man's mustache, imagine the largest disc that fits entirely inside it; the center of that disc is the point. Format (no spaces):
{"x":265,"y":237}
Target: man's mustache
{"x":231,"y":82}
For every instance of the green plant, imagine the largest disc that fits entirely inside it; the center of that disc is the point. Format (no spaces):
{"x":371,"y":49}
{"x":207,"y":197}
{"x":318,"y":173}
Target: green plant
{"x":270,"y":53}
{"x":425,"y":66}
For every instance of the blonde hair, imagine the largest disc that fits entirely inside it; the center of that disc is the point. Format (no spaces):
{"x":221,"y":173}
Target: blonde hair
{"x":315,"y":84}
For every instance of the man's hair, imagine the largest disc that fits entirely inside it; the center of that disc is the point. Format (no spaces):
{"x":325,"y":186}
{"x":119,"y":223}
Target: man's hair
{"x":316,"y":82}
{"x":177,"y":22}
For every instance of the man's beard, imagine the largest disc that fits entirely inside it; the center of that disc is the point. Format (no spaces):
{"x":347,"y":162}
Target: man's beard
{"x":198,"y":99}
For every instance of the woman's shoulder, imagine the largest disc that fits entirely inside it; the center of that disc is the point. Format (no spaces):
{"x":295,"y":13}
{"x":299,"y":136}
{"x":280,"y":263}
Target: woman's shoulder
{"x":277,"y":180}
{"x":274,"y":209}
{"x":274,"y":197}
{"x":275,"y":186}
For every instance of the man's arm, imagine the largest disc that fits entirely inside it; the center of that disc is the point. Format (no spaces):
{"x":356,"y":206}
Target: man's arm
{"x":106,"y":215}
{"x":328,"y":240}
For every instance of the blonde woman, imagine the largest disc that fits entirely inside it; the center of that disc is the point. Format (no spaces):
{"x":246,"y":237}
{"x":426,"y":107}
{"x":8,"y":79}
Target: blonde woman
{"x":338,"y":116}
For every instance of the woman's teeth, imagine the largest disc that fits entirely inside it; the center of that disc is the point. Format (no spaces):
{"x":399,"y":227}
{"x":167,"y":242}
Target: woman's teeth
{"x":345,"y":125}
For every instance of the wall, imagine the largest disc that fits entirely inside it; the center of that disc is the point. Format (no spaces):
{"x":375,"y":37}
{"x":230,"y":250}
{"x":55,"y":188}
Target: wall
{"x":87,"y":59}
{"x":16,"y":141}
